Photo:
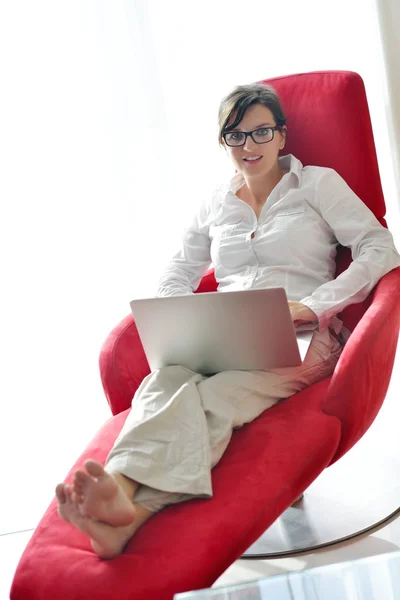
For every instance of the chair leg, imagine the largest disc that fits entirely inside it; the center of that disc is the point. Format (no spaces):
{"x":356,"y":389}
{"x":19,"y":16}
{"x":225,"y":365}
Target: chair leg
{"x":298,"y":499}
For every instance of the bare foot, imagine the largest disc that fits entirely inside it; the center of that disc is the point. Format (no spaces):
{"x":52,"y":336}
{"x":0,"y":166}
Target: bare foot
{"x":101,"y":497}
{"x":107,"y":541}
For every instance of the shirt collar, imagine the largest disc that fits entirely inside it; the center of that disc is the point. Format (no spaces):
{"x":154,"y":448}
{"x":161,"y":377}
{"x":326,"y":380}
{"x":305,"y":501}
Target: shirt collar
{"x":288,"y":162}
{"x":293,"y":165}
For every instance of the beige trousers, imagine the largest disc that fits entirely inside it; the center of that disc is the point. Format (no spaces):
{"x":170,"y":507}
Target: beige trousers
{"x":181,"y":422}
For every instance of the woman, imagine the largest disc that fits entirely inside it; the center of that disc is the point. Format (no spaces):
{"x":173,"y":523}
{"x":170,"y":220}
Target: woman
{"x":276,"y":224}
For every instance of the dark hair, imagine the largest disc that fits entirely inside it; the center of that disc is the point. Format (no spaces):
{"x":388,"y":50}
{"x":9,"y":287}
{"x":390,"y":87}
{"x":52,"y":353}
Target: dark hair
{"x":244,"y":96}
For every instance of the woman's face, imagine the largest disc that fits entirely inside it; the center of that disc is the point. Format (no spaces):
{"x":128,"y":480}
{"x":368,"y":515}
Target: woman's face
{"x":255,"y":117}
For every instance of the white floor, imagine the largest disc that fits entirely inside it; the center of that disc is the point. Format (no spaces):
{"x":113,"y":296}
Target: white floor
{"x":18,"y":519}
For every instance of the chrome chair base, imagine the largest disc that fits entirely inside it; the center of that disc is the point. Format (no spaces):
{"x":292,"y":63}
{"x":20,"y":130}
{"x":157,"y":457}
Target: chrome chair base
{"x":355,"y":495}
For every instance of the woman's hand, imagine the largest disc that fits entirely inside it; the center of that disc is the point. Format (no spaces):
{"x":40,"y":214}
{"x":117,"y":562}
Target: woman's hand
{"x":301,"y":313}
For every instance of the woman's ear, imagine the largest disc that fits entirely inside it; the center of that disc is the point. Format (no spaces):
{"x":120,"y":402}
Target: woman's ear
{"x":283,"y":133}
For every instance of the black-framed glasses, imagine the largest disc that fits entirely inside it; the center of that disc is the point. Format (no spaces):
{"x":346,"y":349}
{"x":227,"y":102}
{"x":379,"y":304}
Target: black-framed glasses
{"x":262,"y":135}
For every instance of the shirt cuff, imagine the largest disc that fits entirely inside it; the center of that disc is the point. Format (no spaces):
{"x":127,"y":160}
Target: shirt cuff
{"x":325,"y":320}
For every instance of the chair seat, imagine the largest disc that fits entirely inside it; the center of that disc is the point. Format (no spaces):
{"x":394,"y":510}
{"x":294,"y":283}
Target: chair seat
{"x":266,"y":466}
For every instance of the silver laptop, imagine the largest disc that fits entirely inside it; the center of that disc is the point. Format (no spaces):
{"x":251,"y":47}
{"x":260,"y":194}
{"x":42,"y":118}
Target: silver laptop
{"x":220,"y":331}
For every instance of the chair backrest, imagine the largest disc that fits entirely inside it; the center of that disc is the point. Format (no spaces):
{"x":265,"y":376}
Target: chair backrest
{"x":329,"y":125}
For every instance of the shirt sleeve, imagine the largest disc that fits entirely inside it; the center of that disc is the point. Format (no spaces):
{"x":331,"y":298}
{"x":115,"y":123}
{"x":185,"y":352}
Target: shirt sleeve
{"x":187,"y":266}
{"x":372,"y":248}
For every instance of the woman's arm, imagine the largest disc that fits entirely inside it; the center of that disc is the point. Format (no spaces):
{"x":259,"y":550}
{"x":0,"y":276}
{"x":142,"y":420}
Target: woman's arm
{"x":184,"y":271}
{"x":372,"y":248}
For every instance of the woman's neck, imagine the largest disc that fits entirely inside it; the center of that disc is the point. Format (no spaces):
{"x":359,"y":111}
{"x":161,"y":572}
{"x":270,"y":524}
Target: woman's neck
{"x":258,"y":189}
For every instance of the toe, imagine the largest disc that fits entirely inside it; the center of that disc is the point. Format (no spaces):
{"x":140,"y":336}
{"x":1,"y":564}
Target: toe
{"x":94,"y":468}
{"x":80,"y":480}
{"x":77,"y":496}
{"x":60,"y":493}
{"x":68,"y":490}
{"x":80,"y":475}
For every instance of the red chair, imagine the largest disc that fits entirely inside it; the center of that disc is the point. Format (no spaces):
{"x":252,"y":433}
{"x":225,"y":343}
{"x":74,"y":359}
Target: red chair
{"x":270,"y":461}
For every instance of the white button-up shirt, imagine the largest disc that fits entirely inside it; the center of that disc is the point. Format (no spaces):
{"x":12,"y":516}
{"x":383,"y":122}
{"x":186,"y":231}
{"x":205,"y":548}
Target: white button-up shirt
{"x":291,"y":245}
